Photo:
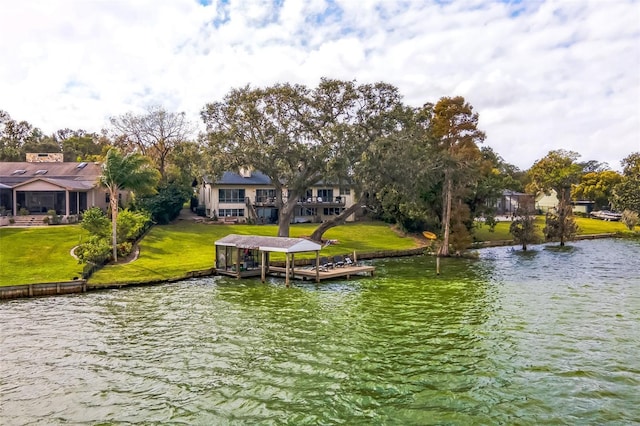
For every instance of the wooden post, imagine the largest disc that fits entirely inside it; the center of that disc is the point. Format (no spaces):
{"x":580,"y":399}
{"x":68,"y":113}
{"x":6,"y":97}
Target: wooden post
{"x":355,"y":257}
{"x":286,"y":271}
{"x":263,"y":267}
{"x":317,"y":266}
{"x":237,"y":263}
{"x":437,"y":265}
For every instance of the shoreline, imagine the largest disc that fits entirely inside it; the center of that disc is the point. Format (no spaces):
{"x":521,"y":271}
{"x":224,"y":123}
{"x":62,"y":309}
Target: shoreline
{"x":19,"y":291}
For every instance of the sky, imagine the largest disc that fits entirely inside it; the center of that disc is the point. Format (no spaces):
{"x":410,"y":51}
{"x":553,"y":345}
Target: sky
{"x":541,"y":74}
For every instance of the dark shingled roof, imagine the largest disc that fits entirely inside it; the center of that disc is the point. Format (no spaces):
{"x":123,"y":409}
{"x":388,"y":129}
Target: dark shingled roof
{"x":256,"y":178}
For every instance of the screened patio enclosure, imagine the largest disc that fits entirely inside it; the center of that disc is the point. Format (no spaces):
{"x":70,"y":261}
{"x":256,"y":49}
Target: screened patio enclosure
{"x":40,"y":202}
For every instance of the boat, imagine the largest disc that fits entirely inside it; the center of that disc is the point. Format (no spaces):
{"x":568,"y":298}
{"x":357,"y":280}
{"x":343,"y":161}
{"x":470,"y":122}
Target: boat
{"x":429,"y":235}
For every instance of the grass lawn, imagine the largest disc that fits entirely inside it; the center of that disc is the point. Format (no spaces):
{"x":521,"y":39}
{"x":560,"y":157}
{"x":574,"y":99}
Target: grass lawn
{"x":172,"y":250}
{"x":39,"y":254}
{"x":586,"y":226}
{"x":42,"y":254}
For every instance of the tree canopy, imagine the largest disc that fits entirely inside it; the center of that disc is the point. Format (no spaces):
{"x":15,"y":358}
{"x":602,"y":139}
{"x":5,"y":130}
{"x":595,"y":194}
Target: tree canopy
{"x":557,"y":171}
{"x":455,"y":135}
{"x":298,"y":136}
{"x":155,"y":134}
{"x":626,"y":194}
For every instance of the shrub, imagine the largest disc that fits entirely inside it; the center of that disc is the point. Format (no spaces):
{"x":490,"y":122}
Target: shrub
{"x":54,"y":218}
{"x":96,"y":250}
{"x":124,"y":249}
{"x":132,"y":224}
{"x":165,"y":206}
{"x":630,"y":219}
{"x":23,"y":212}
{"x":96,"y":222}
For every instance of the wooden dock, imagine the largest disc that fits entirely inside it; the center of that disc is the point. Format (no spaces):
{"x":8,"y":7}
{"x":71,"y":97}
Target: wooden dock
{"x":308,"y":273}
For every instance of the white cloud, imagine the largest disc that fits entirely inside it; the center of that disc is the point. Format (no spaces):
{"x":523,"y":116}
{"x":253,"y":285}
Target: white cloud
{"x":542,"y":74}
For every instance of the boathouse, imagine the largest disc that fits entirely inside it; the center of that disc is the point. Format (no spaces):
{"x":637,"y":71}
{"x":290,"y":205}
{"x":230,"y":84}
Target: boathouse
{"x":248,"y":255}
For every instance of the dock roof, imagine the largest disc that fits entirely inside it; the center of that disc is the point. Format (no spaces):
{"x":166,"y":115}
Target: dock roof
{"x":275,"y":244}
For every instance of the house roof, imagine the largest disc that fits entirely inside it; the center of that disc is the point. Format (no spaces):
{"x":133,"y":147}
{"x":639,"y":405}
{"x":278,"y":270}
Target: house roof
{"x":509,"y":192}
{"x":275,"y":244}
{"x":72,"y":175}
{"x":256,"y":178}
{"x":67,"y":184}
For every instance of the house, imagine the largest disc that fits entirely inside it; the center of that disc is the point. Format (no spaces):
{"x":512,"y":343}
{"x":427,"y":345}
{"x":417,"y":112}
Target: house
{"x":45,"y":182}
{"x":511,"y":201}
{"x":249,"y":196}
{"x":546,"y":202}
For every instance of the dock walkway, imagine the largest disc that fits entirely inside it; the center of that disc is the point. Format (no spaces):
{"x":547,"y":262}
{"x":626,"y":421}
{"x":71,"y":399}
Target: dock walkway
{"x":308,"y":273}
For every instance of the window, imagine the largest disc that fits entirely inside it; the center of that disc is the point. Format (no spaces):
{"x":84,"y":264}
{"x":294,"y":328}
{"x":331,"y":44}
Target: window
{"x":231,"y":212}
{"x":345,"y":191}
{"x":265,"y":195}
{"x":307,"y":197}
{"x":325,"y":195}
{"x":307,"y":211}
{"x":231,"y":195}
{"x":332,"y":211}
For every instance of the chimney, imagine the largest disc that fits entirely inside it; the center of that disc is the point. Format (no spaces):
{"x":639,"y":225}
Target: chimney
{"x":245,"y":171}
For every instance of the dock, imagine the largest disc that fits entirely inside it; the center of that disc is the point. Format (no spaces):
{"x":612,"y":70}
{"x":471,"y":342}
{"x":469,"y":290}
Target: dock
{"x":309,"y":273}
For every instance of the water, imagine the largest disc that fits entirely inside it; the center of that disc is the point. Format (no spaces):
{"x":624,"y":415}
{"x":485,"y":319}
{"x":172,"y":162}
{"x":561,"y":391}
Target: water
{"x":544,"y":337}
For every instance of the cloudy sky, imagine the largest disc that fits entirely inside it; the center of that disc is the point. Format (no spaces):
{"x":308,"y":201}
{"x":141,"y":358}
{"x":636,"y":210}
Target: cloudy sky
{"x":542,"y":74}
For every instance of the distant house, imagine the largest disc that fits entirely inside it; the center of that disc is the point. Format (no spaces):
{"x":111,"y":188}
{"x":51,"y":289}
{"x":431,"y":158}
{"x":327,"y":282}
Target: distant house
{"x":511,"y":201}
{"x":45,"y":182}
{"x":249,"y":196}
{"x":545,"y":202}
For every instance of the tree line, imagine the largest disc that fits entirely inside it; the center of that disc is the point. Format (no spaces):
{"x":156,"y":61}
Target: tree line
{"x":423,"y":168}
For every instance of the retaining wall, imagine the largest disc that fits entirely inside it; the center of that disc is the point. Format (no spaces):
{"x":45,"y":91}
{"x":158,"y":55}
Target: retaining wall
{"x":43,"y":289}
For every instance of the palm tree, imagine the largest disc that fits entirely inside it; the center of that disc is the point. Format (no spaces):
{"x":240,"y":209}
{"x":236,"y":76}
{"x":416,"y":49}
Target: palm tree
{"x":125,"y":172}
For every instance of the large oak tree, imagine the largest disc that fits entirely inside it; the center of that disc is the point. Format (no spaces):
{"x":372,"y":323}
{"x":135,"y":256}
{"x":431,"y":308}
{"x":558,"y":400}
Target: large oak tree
{"x":299,"y":136}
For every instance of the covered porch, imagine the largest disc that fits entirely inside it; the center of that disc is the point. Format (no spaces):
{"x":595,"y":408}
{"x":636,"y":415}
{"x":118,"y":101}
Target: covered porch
{"x":38,"y":196}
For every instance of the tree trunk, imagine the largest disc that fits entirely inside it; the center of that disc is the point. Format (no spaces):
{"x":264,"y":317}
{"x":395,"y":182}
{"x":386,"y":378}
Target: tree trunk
{"x":446,"y":214}
{"x":113,"y":202}
{"x":338,"y":220}
{"x":284,"y":217}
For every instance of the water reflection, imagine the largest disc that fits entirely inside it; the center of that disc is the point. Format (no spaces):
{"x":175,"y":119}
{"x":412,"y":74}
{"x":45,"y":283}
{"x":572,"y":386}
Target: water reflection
{"x":546,"y":336}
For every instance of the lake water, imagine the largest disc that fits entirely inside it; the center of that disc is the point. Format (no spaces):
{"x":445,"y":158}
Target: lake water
{"x":548,"y":336}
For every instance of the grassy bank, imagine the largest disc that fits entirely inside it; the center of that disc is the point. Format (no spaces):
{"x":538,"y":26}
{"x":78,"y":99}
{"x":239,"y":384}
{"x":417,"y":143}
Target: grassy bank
{"x":172,"y":251}
{"x":586,"y":226}
{"x":42,"y":254}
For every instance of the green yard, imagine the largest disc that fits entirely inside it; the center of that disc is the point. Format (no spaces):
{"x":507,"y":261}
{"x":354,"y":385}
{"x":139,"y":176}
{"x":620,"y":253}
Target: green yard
{"x":586,"y":226}
{"x":39,"y":254}
{"x":171,"y":251}
{"x":42,"y":254}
